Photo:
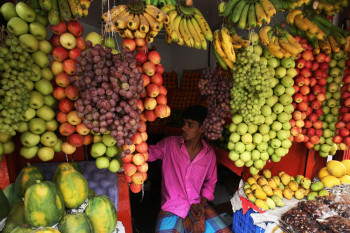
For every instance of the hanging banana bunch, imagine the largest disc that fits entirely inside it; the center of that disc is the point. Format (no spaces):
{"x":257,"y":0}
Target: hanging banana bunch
{"x":330,"y":7}
{"x":135,"y":21}
{"x":159,"y":3}
{"x":279,"y":42}
{"x":187,"y":26}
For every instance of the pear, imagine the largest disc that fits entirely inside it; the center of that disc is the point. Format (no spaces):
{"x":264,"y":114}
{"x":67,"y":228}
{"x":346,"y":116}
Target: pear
{"x":255,"y":186}
{"x":251,"y":181}
{"x":323,"y":192}
{"x":246,"y":186}
{"x":251,"y":197}
{"x":317,"y":186}
{"x":299,"y":194}
{"x":298,"y":178}
{"x":312,"y":196}
{"x":278,"y":192}
{"x":247,"y":191}
{"x":278,"y":201}
{"x":272,"y":183}
{"x":271,"y":203}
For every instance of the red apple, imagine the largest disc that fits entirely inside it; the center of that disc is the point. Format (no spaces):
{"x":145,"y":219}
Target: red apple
{"x":298,"y":98}
{"x":140,"y":105}
{"x":142,"y":147}
{"x":62,"y":79}
{"x":82,"y":129}
{"x":59,"y":93}
{"x":299,"y":138}
{"x":66,"y":129}
{"x":308,"y":124}
{"x":307,"y":55}
{"x":55,"y":41}
{"x":69,"y":66}
{"x":146,"y":80}
{"x":74,"y":53}
{"x":295,"y":131}
{"x":302,"y":106}
{"x":65,"y":105}
{"x":305,"y":72}
{"x":304,"y":90}
{"x":140,"y":42}
{"x":337,"y":139}
{"x":76,"y":140}
{"x":152,"y":90}
{"x":136,"y":139}
{"x":317,"y":124}
{"x":159,"y":69}
{"x":320,"y":57}
{"x":344,"y":132}
{"x":300,"y":63}
{"x":316,"y":104}
{"x":129,"y":43}
{"x":59,"y":54}
{"x":347,"y":141}
{"x":143,"y":127}
{"x":75,"y":28}
{"x":59,"y":29}
{"x":299,"y":81}
{"x":140,"y":57}
{"x":150,"y":103}
{"x":162,"y":99}
{"x":321,"y":97}
{"x":61,"y":117}
{"x":297,"y":115}
{"x":324,"y":66}
{"x":154,"y":57}
{"x":72,"y":92}
{"x":162,"y":90}
{"x":315,"y":65}
{"x":157,"y":79}
{"x":322,"y":82}
{"x":150,"y":115}
{"x":81,"y":43}
{"x":319,"y":112}
{"x":149,"y":68}
{"x":319,"y":132}
{"x":309,"y":145}
{"x":87,"y":139}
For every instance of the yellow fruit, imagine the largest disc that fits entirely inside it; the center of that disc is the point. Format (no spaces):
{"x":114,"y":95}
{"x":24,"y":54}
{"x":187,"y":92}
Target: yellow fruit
{"x":278,"y":192}
{"x":347,"y":166}
{"x":266,"y":173}
{"x":260,"y":194}
{"x":293,"y":185}
{"x":267,"y":189}
{"x":285,"y":178}
{"x":336,"y":168}
{"x":287,"y":193}
{"x":272,"y":183}
{"x":299,"y":194}
{"x":277,"y":180}
{"x":255,"y":186}
{"x":256,"y":177}
{"x":247,"y":191}
{"x":261,"y":204}
{"x":246,"y":186}
{"x":330,"y":181}
{"x":262,"y":181}
{"x":251,"y":180}
{"x":251,"y":197}
{"x":345,"y":179}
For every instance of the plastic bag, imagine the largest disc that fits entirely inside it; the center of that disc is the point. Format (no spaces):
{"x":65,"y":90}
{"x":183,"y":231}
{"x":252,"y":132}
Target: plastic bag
{"x":336,"y":224}
{"x":343,"y":209}
{"x":316,"y":210}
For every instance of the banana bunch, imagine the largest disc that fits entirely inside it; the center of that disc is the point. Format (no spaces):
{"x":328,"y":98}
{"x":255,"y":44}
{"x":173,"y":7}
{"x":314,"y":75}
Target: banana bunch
{"x":293,"y":4}
{"x":62,"y":10}
{"x":187,"y":26}
{"x":330,"y":7}
{"x":225,"y":43}
{"x":135,"y":21}
{"x":159,"y":3}
{"x":249,"y":14}
{"x":281,"y":44}
{"x":268,"y":192}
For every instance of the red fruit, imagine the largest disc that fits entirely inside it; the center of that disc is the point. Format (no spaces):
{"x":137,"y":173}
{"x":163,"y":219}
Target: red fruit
{"x":346,"y":78}
{"x":320,"y":57}
{"x":314,"y":66}
{"x":345,"y":95}
{"x":157,"y":79}
{"x":76,"y":140}
{"x":307,"y":124}
{"x":299,"y":81}
{"x":65,"y":105}
{"x":309,"y":111}
{"x":300,"y":63}
{"x":305,"y":72}
{"x":81,"y":43}
{"x":72,"y":92}
{"x":150,"y":115}
{"x":306,"y":138}
{"x":128,"y":158}
{"x":319,"y":112}
{"x":135,"y":188}
{"x":324,"y":66}
{"x":59,"y":93}
{"x":75,"y":28}
{"x":146,"y":80}
{"x":311,"y":97}
{"x":327,"y":59}
{"x":309,"y":145}
{"x":316,"y":104}
{"x":298,"y":98}
{"x":69,"y":66}
{"x":319,"y":132}
{"x":294,"y":131}
{"x":140,"y":42}
{"x":140,"y":57}
{"x":302,"y":106}
{"x":297,"y":115}
{"x":304,"y":90}
{"x":340,"y":125}
{"x":308,"y":65}
{"x":152,"y":90}
{"x":159,"y":69}
{"x":142,"y":147}
{"x":307,"y":81}
{"x":344,"y":132}
{"x":154,"y":57}
{"x":322,"y":81}
{"x":74,"y":53}
{"x":129,"y":43}
{"x":347,"y":102}
{"x":315,"y":139}
{"x":66,"y":129}
{"x":303,"y":115}
{"x":303,"y":45}
{"x":343,"y":109}
{"x":55,"y":41}
{"x":149,"y":68}
{"x":309,"y":47}
{"x":59,"y":54}
{"x":299,"y":138}
{"x":61,"y":117}
{"x":297,"y":38}
{"x":313,"y":82}
{"x":292,"y":122}
{"x":318,"y":74}
{"x":60,"y":28}
{"x":313,"y":117}
{"x":317,"y":124}
{"x":321,"y":97}
{"x":347,"y":141}
{"x":337,"y":139}
{"x":295,"y":105}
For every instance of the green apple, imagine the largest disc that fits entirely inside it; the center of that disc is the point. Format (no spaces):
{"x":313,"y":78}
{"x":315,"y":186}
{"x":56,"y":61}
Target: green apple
{"x":29,"y":152}
{"x":102,"y":162}
{"x":290,"y":91}
{"x":287,"y":81}
{"x":48,"y":139}
{"x":51,"y":125}
{"x":47,"y":74}
{"x":37,"y":126}
{"x":275,"y":158}
{"x":233,"y":156}
{"x":41,"y":59}
{"x":254,"y":38}
{"x":234,"y":137}
{"x":29,"y":139}
{"x":259,"y":164}
{"x":112,"y":151}
{"x":114,"y":51}
{"x":36,"y":73}
{"x":44,"y":86}
{"x":114,"y":166}
{"x":108,"y":140}
{"x":36,"y":100}
{"x":292,"y":72}
{"x":29,"y":114}
{"x":42,"y":20}
{"x":46,"y":113}
{"x":249,"y":163}
{"x":342,"y":63}
{"x":273,"y":62}
{"x":45,"y":46}
{"x":38,"y":30}
{"x":94,"y":37}
{"x":288,"y":63}
{"x":49,"y":100}
{"x":97,"y":138}
{"x":58,"y":145}
{"x":258,"y":51}
{"x":30,"y":42}
{"x":9,"y":147}
{"x":46,"y":153}
{"x":22,"y":126}
{"x":25,"y":12}
{"x":289,"y":108}
{"x":110,"y":42}
{"x":279,"y":90}
{"x":29,"y":84}
{"x":98,"y":149}
{"x":16,"y":26}
{"x":8,"y":10}
{"x":286,"y":99}
{"x":4,"y":137}
{"x":281,"y":72}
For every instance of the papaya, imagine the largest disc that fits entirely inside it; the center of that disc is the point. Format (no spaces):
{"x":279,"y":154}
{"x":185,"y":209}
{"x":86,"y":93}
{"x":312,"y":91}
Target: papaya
{"x":59,"y":170}
{"x":22,"y":229}
{"x":5,"y":205}
{"x":11,"y":194}
{"x":77,"y":223}
{"x":15,"y":217}
{"x":103,"y":215}
{"x":27,"y":177}
{"x":43,"y":205}
{"x":46,"y":230}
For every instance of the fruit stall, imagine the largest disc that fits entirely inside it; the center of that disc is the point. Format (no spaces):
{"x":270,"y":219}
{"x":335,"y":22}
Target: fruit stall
{"x":85,"y":85}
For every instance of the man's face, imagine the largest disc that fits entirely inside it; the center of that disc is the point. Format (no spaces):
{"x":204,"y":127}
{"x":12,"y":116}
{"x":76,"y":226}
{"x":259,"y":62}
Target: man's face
{"x":191,"y":129}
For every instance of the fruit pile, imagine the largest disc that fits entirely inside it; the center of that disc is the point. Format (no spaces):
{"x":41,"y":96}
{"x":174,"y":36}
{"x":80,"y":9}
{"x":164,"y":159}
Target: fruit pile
{"x":67,"y":45}
{"x":43,"y":210}
{"x":135,"y":21}
{"x":331,"y":7}
{"x":335,"y":173}
{"x":187,"y":26}
{"x":216,"y":85}
{"x":267,"y":191}
{"x":159,"y":3}
{"x":309,"y":94}
{"x":249,"y":14}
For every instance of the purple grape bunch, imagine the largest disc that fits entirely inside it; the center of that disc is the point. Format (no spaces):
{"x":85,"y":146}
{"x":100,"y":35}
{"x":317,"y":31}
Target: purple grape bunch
{"x":217,"y":89}
{"x":110,"y":85}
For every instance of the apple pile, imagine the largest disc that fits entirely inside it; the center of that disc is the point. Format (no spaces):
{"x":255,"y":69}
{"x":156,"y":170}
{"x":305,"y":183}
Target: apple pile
{"x":67,"y":46}
{"x":310,"y":92}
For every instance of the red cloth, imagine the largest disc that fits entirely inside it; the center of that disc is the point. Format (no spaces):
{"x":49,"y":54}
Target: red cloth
{"x":246,"y":204}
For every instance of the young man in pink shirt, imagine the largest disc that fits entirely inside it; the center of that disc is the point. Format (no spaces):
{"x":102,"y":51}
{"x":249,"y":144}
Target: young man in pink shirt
{"x":188,"y":179}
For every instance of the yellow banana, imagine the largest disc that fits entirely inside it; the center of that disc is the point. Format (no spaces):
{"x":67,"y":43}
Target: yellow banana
{"x":299,"y":22}
{"x":283,"y":42}
{"x":291,"y":16}
{"x":203,"y":24}
{"x":139,"y":34}
{"x":85,"y":12}
{"x":122,"y":23}
{"x":286,"y":54}
{"x":260,"y":13}
{"x":238,"y":40}
{"x":149,"y":39}
{"x":121,"y":33}
{"x":153,"y":23}
{"x":176,"y":25}
{"x":170,"y":32}
{"x":268,"y":7}
{"x":114,"y":12}
{"x":277,"y":54}
{"x":334,"y":44}
{"x":199,"y":33}
{"x":228,"y":62}
{"x":144,"y":26}
{"x":294,"y":42}
{"x":168,"y":39}
{"x":217,"y":44}
{"x":85,"y":4}
{"x":263,"y":34}
{"x":128,"y":34}
{"x":226,"y":44}
{"x":152,"y":33}
{"x":186,"y":34}
{"x":134,"y":24}
{"x":311,"y":26}
{"x":172,"y":16}
{"x":236,"y":46}
{"x":155,"y":13}
{"x":274,"y":46}
{"x":196,"y":39}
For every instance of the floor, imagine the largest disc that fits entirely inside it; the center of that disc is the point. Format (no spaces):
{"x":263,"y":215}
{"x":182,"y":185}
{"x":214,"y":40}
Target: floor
{"x":146,"y":205}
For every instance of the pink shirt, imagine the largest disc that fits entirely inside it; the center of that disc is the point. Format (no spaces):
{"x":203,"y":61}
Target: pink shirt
{"x":184,"y":182}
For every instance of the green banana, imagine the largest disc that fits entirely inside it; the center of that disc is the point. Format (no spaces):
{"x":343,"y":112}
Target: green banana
{"x":154,"y":2}
{"x":168,"y":2}
{"x":243,"y":18}
{"x":35,"y":4}
{"x":161,"y":3}
{"x":167,"y":8}
{"x":323,"y":21}
{"x":229,"y":7}
{"x":293,"y":30}
{"x":221,"y":8}
{"x":284,"y":5}
{"x":54,"y":13}
{"x":251,"y":16}
{"x":230,"y":27}
{"x":186,"y":10}
{"x":236,"y":14}
{"x":277,"y":4}
{"x":219,"y":59}
{"x":325,"y":29}
{"x":339,"y":37}
{"x":64,"y":10}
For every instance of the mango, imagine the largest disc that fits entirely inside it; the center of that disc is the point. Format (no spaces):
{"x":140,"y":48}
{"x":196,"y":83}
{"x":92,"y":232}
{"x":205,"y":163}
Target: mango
{"x":298,"y":178}
{"x":261,"y":204}
{"x":317,"y":186}
{"x":270,"y":203}
{"x":312,"y":196}
{"x":330,"y":181}
{"x":293,"y":185}
{"x":267,"y":189}
{"x":278,"y":201}
{"x":256,"y":177}
{"x":262,"y":181}
{"x":323,"y":172}
{"x":323,"y":192}
{"x":251,"y":180}
{"x":247,"y":191}
{"x":345,"y":179}
{"x":287,"y":193}
{"x":281,"y":186}
{"x":246,"y":186}
{"x":307,"y":191}
{"x":272,"y":183}
{"x":277,"y":180}
{"x":251,"y":197}
{"x":347,"y":166}
{"x":255,"y":186}
{"x":299,"y":194}
{"x":260,"y":194}
{"x":285,"y":178}
{"x":336,"y":168}
{"x":281,"y":173}
{"x":267,"y":173}
{"x":292,"y":178}
{"x":305,"y":182}
{"x":278,"y":192}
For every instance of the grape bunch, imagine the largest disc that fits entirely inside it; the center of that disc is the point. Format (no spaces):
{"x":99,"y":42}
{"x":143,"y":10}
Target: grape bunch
{"x":251,"y":85}
{"x":110,"y":85}
{"x":217,"y":88}
{"x":15,"y":70}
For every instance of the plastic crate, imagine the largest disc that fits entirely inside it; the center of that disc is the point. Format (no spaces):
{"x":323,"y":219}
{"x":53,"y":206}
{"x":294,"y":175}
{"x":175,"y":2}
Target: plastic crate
{"x":243,"y":223}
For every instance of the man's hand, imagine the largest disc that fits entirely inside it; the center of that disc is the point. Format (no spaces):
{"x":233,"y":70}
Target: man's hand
{"x":197,"y":210}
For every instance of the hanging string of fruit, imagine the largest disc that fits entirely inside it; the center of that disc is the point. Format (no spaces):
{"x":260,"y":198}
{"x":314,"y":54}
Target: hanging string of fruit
{"x":135,"y":20}
{"x":187,"y":25}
